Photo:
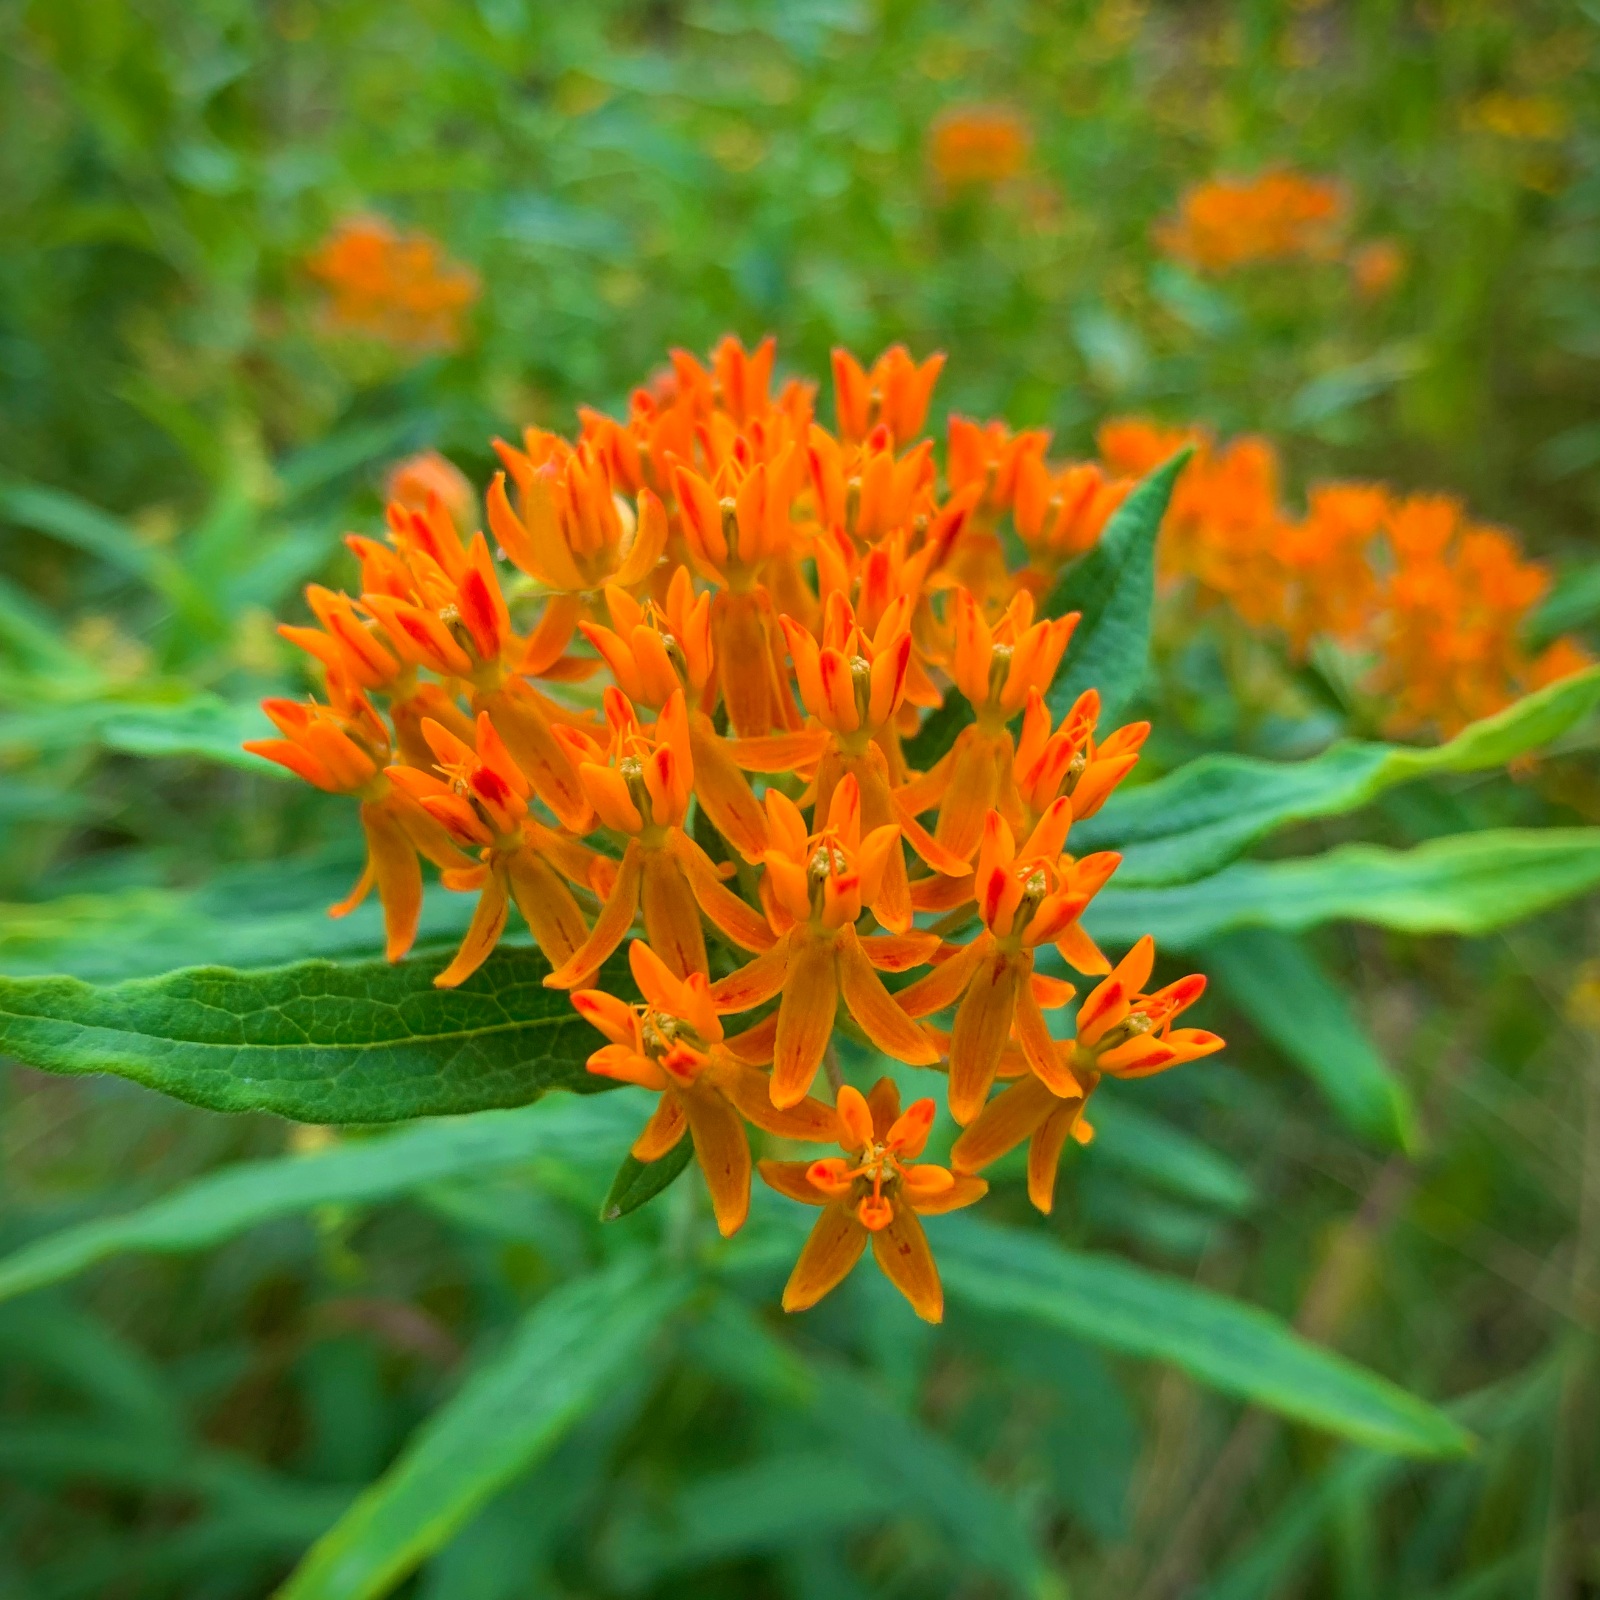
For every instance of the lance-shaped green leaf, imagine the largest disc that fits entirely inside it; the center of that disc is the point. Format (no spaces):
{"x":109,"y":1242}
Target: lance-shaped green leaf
{"x":1465,"y":883}
{"x":319,"y":1041}
{"x":200,"y":726}
{"x":1301,"y":1010}
{"x":572,"y":1349}
{"x":1236,"y":1348}
{"x":1113,"y":588}
{"x":1200,"y":817}
{"x":224,"y":1204}
{"x":637,"y":1182}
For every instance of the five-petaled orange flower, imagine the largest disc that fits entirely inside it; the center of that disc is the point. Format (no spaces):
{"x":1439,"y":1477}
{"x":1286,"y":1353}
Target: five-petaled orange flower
{"x":1122,"y":1033}
{"x":815,"y":888}
{"x":674,"y":1045}
{"x":876,"y":1190}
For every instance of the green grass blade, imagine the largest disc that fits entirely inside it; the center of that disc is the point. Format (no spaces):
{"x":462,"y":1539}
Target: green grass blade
{"x":569,"y":1352}
{"x":1199,"y":818}
{"x":1230,"y":1346}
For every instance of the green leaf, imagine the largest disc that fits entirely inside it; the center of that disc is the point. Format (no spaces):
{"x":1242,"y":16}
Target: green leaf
{"x":318,"y":1041}
{"x":571,"y":1350}
{"x":199,"y":725}
{"x":1233,"y":1347}
{"x":1153,"y":1150}
{"x":1200,"y":817}
{"x":1295,"y":1005}
{"x":778,"y":1502}
{"x":1113,"y":587}
{"x":1466,"y":883}
{"x":225,"y":1204}
{"x":1573,"y":603}
{"x":637,"y":1182}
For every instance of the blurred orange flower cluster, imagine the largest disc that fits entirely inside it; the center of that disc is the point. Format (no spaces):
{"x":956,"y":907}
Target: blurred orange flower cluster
{"x":1434,"y":602}
{"x":685,"y":726}
{"x":1275,"y":216}
{"x":975,"y":145}
{"x":398,"y":287}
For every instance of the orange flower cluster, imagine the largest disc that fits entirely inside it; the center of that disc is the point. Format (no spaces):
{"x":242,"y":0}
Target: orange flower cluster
{"x":1232,"y":222}
{"x":977,"y":145}
{"x":398,"y":287}
{"x":1434,"y":602}
{"x":773,"y":606}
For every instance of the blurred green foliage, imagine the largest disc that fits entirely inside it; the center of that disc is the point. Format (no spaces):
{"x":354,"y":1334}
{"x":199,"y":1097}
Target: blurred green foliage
{"x":1401,"y":1149}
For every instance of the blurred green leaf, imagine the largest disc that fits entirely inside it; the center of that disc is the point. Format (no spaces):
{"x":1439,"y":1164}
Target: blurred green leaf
{"x":1200,"y":817}
{"x":1303,"y":1012}
{"x":317,"y":1041}
{"x":200,"y":725}
{"x":245,"y":916}
{"x":1231,"y":1346}
{"x":1150,"y":1148}
{"x":224,"y":1204}
{"x":1467,"y":883}
{"x":1573,"y":603}
{"x":1113,"y":588}
{"x":637,"y":1182}
{"x":583,"y":1340}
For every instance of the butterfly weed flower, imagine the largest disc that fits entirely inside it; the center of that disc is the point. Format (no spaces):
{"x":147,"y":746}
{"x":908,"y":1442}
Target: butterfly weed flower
{"x":398,"y":287}
{"x":669,"y":698}
{"x":674,"y":1045}
{"x":1122,"y":1032}
{"x":877,"y":1190}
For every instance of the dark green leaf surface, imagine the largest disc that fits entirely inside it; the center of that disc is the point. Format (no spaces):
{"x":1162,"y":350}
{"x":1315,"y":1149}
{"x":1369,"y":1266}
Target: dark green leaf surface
{"x":571,"y":1350}
{"x":1230,"y":1346}
{"x":1113,"y":588}
{"x":1155,"y":1151}
{"x":362,"y":1172}
{"x":1467,"y":883}
{"x":1302,"y":1011}
{"x":317,"y":1041}
{"x":1200,"y":817}
{"x":637,"y":1182}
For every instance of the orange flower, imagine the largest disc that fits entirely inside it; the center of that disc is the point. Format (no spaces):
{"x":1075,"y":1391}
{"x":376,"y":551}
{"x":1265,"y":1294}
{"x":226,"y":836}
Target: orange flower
{"x":878,"y":1191}
{"x":1231,"y":222}
{"x":995,"y":668}
{"x":640,"y":784}
{"x":342,"y":749}
{"x":1024,"y":899}
{"x":573,"y":535}
{"x":814,"y":890}
{"x":427,"y":476}
{"x":1122,"y":1033}
{"x":400,"y":287}
{"x":977,"y":145}
{"x":1060,"y":515}
{"x":1376,"y":267}
{"x":893,"y":393}
{"x":482,"y":801}
{"x":673,"y":1044}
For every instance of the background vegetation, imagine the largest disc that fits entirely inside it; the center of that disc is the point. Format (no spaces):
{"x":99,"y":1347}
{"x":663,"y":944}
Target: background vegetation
{"x":1400,"y":1150}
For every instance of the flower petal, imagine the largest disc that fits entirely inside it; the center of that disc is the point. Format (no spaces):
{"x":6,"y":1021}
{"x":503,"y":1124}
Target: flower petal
{"x":873,"y":1007}
{"x":983,"y":1024}
{"x":671,"y":916}
{"x":488,"y":923}
{"x":901,"y":1250}
{"x":750,"y":1091}
{"x":755,"y":981}
{"x":789,"y":1178}
{"x":723,"y":1152}
{"x":610,"y":927}
{"x":1012,"y":1116}
{"x":834,"y":1247}
{"x":662,"y":1131}
{"x":805,"y":1016}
